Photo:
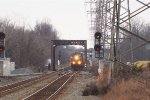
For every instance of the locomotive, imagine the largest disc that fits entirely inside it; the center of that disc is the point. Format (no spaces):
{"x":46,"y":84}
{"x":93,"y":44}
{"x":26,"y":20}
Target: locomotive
{"x":77,"y":62}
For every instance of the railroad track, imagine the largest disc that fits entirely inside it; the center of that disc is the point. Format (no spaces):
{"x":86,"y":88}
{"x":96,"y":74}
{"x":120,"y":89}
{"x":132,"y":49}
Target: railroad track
{"x":48,"y":92}
{"x":22,"y":84}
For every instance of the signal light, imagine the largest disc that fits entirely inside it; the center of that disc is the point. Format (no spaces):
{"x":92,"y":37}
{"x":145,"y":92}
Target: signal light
{"x":79,"y":62}
{"x":2,"y":45}
{"x":98,"y":35}
{"x":97,"y":47}
{"x":73,"y":62}
{"x":2,"y":48}
{"x":76,"y":57}
{"x":2,"y":35}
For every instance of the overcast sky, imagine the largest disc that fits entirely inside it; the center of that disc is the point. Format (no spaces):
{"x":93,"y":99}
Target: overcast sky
{"x":67,"y":16}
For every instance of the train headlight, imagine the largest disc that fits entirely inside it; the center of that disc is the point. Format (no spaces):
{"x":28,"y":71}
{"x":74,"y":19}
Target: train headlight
{"x":76,"y":57}
{"x":79,"y":62}
{"x":73,"y":62}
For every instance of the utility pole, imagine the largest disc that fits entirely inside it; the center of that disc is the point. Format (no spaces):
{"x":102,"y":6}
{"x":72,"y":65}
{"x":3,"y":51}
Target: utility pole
{"x":106,"y":17}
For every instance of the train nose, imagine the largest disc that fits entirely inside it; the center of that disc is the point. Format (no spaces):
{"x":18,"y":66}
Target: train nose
{"x":79,"y":62}
{"x":73,"y":62}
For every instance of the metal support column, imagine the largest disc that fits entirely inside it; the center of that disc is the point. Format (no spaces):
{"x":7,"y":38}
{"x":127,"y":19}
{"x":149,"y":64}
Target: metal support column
{"x":85,"y":52}
{"x":53,"y":57}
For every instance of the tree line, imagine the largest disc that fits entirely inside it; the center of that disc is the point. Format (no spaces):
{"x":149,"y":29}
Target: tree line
{"x":140,"y":52}
{"x":30,"y":47}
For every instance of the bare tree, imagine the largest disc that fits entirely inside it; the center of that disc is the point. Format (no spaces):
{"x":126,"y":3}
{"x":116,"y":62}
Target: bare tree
{"x":141,"y":53}
{"x":28,"y":47}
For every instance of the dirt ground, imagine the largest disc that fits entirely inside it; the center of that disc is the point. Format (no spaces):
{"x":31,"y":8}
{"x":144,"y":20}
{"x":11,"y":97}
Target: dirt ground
{"x":73,"y":91}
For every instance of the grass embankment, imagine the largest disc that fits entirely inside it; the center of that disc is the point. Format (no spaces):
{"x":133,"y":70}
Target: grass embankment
{"x":128,"y":90}
{"x":125,"y":85}
{"x":131,"y":89}
{"x":141,"y":65}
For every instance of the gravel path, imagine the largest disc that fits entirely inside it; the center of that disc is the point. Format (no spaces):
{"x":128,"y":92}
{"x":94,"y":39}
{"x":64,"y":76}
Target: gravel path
{"x":73,"y":91}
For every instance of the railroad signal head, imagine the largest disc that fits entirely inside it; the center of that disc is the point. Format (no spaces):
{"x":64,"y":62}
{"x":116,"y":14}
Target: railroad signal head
{"x":2,"y":35}
{"x":97,"y":47}
{"x":2,"y":48}
{"x":98,"y":35}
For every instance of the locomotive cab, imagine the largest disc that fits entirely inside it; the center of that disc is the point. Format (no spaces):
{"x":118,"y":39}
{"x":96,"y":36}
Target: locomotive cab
{"x":77,"y":62}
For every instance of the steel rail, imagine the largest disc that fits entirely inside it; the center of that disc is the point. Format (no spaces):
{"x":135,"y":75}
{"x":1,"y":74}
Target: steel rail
{"x":21,"y":80}
{"x":53,"y":95}
{"x":14,"y":87}
{"x":52,"y":89}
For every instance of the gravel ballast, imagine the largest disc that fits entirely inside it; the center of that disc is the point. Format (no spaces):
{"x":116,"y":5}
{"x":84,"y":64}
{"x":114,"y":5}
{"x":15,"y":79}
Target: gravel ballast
{"x":73,"y":91}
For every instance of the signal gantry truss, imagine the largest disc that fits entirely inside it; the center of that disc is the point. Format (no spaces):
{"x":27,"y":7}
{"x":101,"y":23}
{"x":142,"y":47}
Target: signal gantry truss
{"x":69,"y":42}
{"x":55,"y":43}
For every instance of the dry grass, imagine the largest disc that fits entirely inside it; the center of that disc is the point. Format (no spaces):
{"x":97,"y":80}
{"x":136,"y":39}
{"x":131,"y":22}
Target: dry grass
{"x":128,"y":90}
{"x":141,"y":65}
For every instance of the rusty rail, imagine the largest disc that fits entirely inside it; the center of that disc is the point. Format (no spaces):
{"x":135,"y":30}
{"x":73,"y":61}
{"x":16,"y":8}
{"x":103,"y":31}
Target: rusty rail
{"x":50,"y":91}
{"x":16,"y":86}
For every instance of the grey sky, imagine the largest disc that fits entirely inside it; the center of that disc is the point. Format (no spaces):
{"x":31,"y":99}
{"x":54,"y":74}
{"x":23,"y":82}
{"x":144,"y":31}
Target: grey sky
{"x":68,"y":16}
{"x":145,"y":16}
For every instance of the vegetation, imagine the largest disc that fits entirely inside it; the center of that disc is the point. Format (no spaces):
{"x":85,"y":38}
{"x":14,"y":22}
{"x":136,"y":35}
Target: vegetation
{"x":140,"y":53}
{"x":30,"y":47}
{"x":132,"y":83}
{"x":141,"y":65}
{"x":128,"y":90}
